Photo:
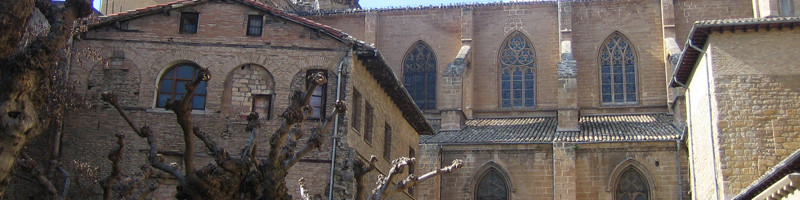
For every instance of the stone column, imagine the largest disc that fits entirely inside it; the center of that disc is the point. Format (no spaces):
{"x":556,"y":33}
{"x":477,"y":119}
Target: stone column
{"x":568,"y":112}
{"x":564,"y":177}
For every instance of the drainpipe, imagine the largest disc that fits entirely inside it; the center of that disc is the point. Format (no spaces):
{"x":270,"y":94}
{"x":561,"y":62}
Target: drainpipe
{"x":678,"y":157}
{"x":441,"y":165}
{"x":335,"y":126}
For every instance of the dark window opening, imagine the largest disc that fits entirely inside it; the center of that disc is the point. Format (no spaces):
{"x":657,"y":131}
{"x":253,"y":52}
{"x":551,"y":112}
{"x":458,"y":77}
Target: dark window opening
{"x":356,"y":110}
{"x":370,"y":114}
{"x":255,"y":25}
{"x":387,"y":142}
{"x":632,"y":186}
{"x":419,"y":75}
{"x":189,"y":22}
{"x":411,"y":167}
{"x":317,"y":101}
{"x":173,"y":86}
{"x":492,"y":186}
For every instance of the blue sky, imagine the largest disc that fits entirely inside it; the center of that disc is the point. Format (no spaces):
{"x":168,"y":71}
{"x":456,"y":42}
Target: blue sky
{"x":368,"y":4}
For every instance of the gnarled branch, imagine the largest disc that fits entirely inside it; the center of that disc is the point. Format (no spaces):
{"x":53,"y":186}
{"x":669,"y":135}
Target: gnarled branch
{"x":384,"y":189}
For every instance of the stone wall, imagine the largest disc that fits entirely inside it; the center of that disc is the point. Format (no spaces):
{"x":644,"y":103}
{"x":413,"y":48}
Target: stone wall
{"x":756,"y":102}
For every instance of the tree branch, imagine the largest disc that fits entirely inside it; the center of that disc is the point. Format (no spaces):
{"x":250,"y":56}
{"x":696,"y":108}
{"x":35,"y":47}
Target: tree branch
{"x":293,"y":114}
{"x":303,"y":191}
{"x":252,"y":126}
{"x":115,"y":155}
{"x":384,"y":189}
{"x":183,"y":112}
{"x":146,"y":133}
{"x":318,"y":136}
{"x":30,"y":165}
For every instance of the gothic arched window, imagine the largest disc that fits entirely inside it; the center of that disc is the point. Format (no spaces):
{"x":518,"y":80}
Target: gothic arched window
{"x":517,"y":72}
{"x":618,"y":70}
{"x":491,"y":186}
{"x":419,"y":75}
{"x":173,"y":85}
{"x":632,"y":185}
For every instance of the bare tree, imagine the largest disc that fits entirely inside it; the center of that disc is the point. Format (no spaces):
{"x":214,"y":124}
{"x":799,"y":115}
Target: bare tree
{"x":27,"y":72}
{"x":244,"y":176}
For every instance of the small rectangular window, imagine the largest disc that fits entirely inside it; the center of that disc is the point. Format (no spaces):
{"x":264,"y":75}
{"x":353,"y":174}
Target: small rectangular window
{"x":369,"y":115}
{"x":255,"y":25}
{"x":317,"y":101}
{"x":261,"y":105}
{"x":189,"y":22}
{"x":387,"y":141}
{"x":356,"y":110}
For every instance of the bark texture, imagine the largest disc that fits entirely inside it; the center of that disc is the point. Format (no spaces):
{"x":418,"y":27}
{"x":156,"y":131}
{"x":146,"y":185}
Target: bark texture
{"x":27,"y":70}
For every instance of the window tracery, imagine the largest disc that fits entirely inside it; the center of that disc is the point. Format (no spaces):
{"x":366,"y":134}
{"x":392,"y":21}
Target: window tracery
{"x":419,"y":75}
{"x":618,"y":71}
{"x":517,"y":68}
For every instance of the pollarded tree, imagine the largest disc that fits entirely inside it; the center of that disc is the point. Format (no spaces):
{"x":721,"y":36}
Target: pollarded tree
{"x":247,"y":176}
{"x":28,"y":71}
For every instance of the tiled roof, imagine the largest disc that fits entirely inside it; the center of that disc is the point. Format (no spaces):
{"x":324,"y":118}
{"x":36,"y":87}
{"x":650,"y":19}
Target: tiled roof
{"x":702,"y":29}
{"x":254,"y":4}
{"x":605,"y":128}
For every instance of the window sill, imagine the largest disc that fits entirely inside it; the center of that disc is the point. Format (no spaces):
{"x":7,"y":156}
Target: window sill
{"x":611,"y":105}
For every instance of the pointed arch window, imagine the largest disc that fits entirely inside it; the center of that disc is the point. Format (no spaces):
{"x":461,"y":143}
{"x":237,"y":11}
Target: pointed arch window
{"x":517,"y":72}
{"x":632,"y":185}
{"x":419,"y":75}
{"x":492,"y":186}
{"x":172,"y":85}
{"x":618,"y":70}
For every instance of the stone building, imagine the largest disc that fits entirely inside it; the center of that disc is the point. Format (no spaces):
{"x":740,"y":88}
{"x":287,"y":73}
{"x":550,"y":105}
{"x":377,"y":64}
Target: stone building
{"x":742,"y":106}
{"x":541,"y":99}
{"x":257,"y":56}
{"x":571,"y":99}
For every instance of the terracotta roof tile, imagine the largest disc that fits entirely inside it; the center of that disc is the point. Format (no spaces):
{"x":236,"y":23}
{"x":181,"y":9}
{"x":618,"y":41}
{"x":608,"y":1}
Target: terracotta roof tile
{"x":606,"y":128}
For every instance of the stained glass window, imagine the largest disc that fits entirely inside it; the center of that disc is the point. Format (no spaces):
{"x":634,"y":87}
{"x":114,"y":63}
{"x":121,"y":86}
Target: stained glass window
{"x":173,"y":86}
{"x":517,"y":72}
{"x":618,"y":71}
{"x":419,"y":75}
{"x":492,"y":186}
{"x":632,"y":186}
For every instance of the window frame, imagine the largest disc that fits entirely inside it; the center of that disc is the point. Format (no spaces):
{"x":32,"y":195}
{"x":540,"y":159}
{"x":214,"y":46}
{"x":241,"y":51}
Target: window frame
{"x":183,"y":19}
{"x":356,"y":114}
{"x":250,"y":26}
{"x":323,"y":98}
{"x":424,"y":71}
{"x":175,"y":80}
{"x":635,"y":61}
{"x":269,"y":98}
{"x":525,"y":69}
{"x":387,"y":142}
{"x":369,"y":115}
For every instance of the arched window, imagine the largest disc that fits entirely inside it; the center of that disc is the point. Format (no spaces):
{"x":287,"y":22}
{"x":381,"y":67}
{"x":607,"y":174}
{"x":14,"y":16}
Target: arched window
{"x":491,"y":186}
{"x":632,"y":185}
{"x":618,"y":70}
{"x":517,"y":72}
{"x":419,"y":75}
{"x":172,"y":85}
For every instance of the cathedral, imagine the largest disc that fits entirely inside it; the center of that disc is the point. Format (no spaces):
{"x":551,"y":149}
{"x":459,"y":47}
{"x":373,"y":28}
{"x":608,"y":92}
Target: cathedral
{"x":566,"y":100}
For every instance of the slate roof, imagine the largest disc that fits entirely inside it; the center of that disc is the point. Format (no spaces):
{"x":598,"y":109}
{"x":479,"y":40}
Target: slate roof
{"x":601,"y":128}
{"x":702,"y":29}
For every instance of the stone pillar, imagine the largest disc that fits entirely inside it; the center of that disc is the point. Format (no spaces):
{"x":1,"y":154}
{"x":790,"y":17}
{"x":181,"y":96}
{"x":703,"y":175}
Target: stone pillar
{"x":452,"y":90}
{"x":371,"y":27}
{"x":564,"y":176}
{"x":568,"y":113}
